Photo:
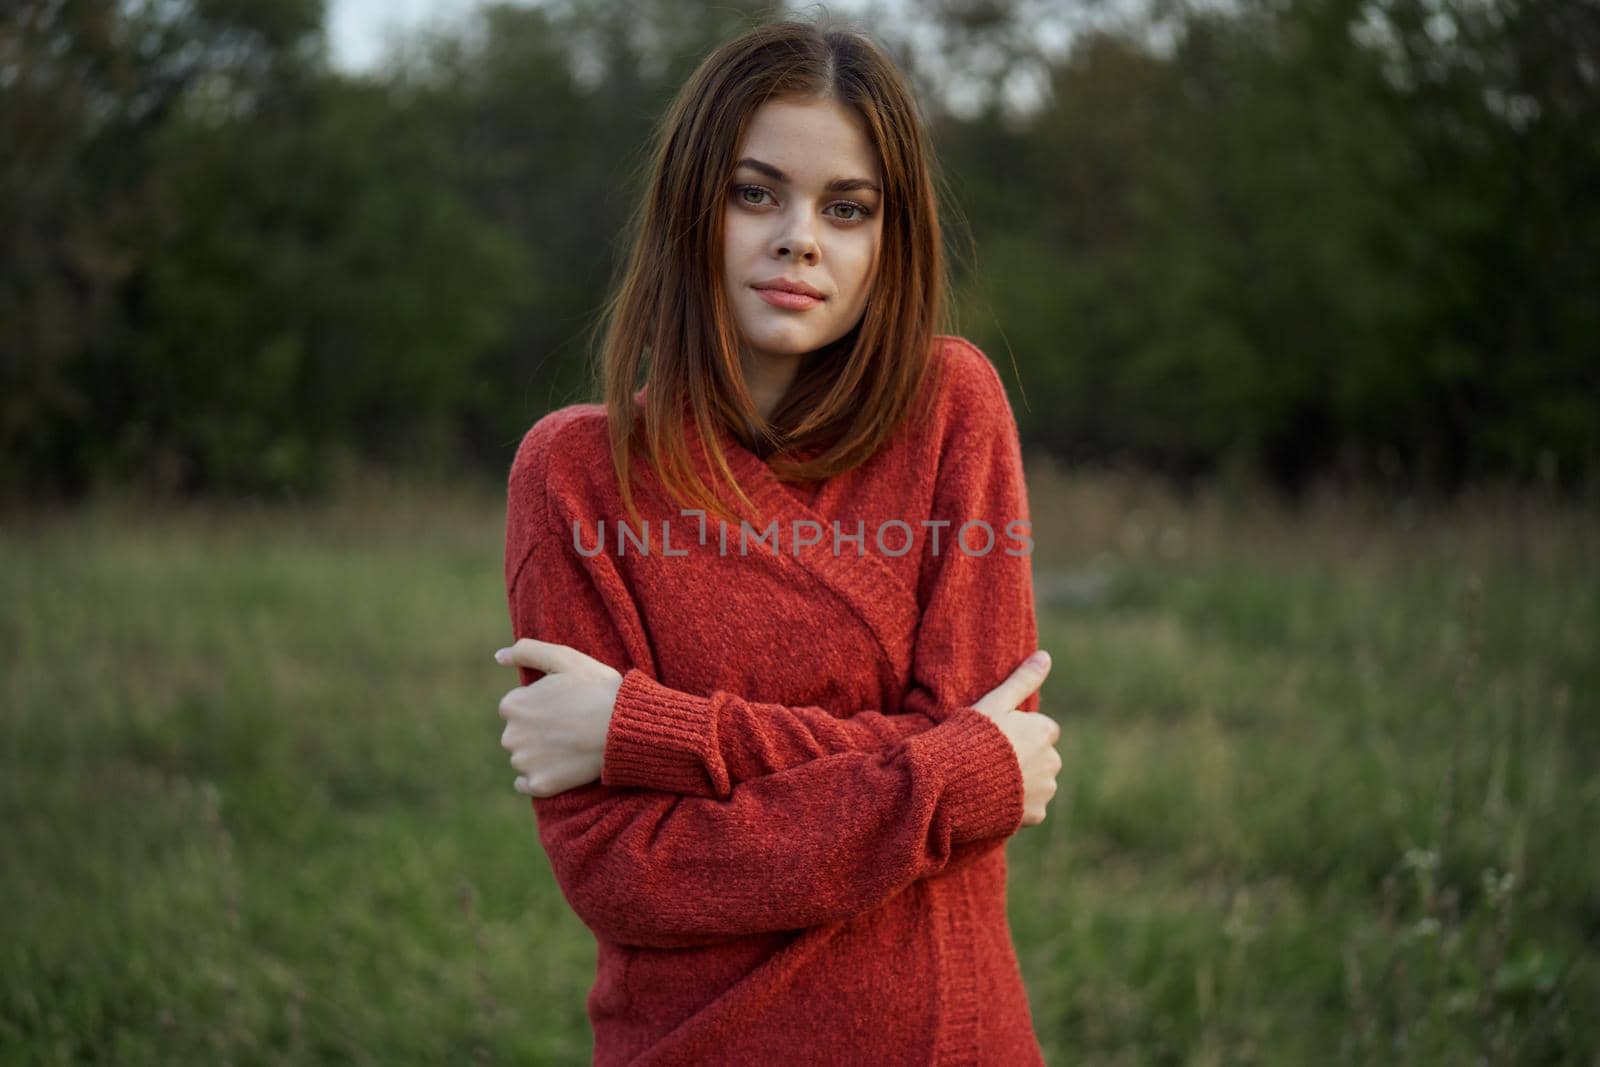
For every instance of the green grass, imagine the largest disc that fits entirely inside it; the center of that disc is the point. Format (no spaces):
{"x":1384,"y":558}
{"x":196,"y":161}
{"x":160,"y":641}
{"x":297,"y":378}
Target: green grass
{"x":1332,"y":785}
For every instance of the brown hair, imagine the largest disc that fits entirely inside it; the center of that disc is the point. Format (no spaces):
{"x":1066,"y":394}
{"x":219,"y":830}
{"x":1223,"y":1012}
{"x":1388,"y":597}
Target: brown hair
{"x":668,"y":316}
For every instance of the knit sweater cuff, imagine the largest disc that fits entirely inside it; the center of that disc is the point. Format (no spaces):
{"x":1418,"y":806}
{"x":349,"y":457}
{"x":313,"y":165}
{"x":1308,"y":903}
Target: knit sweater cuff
{"x":659,"y":738}
{"x":983,"y":793}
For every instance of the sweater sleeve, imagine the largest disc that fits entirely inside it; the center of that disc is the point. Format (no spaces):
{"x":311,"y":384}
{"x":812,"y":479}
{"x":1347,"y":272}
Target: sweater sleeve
{"x":818,"y":842}
{"x":677,"y":742}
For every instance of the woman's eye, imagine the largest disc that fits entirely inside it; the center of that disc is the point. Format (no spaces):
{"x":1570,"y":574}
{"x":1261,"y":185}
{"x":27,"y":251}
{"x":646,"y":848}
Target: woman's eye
{"x":843,"y":210}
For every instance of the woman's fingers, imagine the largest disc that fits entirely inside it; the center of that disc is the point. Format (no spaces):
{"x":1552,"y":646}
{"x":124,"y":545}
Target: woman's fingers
{"x":1019,"y":686}
{"x":556,"y":727}
{"x":546,"y":656}
{"x":1033,"y":736}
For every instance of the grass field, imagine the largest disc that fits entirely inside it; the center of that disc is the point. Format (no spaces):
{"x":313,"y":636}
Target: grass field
{"x":1332,"y":787}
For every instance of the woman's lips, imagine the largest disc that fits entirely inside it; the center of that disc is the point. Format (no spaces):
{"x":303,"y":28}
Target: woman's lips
{"x":788,"y":301}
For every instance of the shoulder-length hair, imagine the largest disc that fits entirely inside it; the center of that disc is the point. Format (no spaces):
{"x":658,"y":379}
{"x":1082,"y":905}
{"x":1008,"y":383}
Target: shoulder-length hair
{"x":669,"y":323}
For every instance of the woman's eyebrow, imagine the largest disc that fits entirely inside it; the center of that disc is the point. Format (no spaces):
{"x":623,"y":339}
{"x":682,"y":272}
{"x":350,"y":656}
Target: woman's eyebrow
{"x":837,"y":185}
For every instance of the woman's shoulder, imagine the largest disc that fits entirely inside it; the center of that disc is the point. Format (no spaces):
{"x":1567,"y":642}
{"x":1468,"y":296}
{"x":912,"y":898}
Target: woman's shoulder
{"x":558,"y":455}
{"x":556,"y":438}
{"x":970,"y":393}
{"x":557,"y":451}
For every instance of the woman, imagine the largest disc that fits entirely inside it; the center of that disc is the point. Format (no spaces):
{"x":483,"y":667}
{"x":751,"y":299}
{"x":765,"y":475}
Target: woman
{"x":770,"y":641}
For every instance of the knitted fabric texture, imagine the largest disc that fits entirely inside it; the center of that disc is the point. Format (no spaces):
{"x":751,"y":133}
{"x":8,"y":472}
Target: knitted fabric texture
{"x":795,"y":852}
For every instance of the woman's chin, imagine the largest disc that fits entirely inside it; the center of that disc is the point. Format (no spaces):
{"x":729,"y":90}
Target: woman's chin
{"x":787,"y":344}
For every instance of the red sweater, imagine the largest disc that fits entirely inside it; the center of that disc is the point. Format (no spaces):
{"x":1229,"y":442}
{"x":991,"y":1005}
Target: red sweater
{"x":795,"y":851}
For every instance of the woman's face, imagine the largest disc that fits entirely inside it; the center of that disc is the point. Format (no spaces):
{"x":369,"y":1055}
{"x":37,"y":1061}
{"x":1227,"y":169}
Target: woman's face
{"x":803,"y":206}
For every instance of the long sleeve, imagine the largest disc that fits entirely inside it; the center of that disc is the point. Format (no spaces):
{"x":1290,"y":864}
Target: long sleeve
{"x":677,"y":742}
{"x":683,"y":743}
{"x":816,"y":843}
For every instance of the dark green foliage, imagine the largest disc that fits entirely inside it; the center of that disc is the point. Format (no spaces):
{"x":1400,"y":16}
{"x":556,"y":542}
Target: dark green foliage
{"x":1297,"y":238}
{"x":1318,"y":236}
{"x":236,"y":267}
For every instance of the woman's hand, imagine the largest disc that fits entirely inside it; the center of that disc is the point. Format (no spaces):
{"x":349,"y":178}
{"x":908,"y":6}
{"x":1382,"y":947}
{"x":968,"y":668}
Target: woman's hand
{"x":1033,"y":735}
{"x":556,"y":728}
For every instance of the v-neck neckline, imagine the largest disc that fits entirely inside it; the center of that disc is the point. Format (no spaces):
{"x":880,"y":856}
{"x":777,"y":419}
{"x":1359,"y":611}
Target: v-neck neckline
{"x":884,"y":600}
{"x":772,"y":495}
{"x":809,"y":494}
{"x":878,"y":594}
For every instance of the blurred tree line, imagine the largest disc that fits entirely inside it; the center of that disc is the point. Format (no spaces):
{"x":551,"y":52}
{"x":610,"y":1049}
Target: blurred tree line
{"x":1290,"y":237}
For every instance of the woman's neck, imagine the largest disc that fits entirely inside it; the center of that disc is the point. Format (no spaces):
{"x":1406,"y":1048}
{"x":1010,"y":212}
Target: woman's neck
{"x":768,"y":378}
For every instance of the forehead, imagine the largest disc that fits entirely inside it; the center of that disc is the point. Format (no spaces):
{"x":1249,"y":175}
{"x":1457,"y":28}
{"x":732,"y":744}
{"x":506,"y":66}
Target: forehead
{"x":817,"y":139}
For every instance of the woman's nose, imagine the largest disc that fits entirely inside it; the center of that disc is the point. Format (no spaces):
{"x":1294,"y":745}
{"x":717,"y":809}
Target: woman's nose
{"x":798,"y":241}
